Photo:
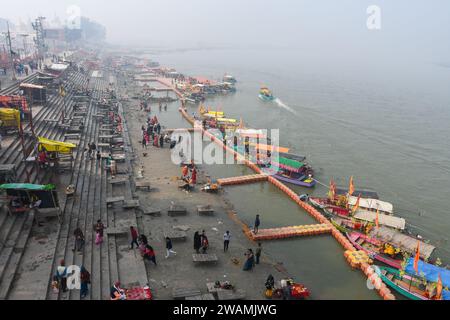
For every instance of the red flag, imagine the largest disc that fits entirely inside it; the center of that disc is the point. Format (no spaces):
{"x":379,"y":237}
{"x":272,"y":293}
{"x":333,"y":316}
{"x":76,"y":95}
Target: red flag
{"x":417,"y":258}
{"x":439,"y":288}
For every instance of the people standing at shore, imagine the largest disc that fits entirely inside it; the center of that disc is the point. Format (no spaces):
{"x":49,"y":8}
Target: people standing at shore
{"x":257,"y":224}
{"x":250,"y":262}
{"x":85,"y":280}
{"x":169,"y":247}
{"x":258,"y":252}
{"x":134,"y":237}
{"x":197,"y":242}
{"x":226,"y":241}
{"x":161,"y":141}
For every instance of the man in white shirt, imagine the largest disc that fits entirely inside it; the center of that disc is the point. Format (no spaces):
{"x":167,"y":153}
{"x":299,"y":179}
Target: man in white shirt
{"x":226,"y":241}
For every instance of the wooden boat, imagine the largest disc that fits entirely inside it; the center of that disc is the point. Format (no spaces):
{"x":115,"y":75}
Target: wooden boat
{"x":375,"y":248}
{"x":364,"y":193}
{"x":420,"y":286}
{"x":293,"y":172}
{"x":338,"y":208}
{"x":347,"y":225}
{"x":265,"y":94}
{"x":406,"y":285}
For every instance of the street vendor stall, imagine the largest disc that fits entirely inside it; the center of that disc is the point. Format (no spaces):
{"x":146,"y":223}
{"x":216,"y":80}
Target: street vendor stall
{"x":36,"y":93}
{"x":23,"y":197}
{"x":54,"y":153}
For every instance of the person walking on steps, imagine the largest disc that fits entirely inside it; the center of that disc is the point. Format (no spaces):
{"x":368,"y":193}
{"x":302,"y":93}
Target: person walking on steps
{"x":134,"y":237}
{"x":79,"y":240}
{"x":61,"y":275}
{"x":85,"y":280}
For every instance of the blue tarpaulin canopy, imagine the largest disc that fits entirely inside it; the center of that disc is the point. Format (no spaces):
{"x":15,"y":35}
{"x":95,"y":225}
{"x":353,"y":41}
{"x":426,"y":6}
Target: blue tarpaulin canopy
{"x":430,"y":272}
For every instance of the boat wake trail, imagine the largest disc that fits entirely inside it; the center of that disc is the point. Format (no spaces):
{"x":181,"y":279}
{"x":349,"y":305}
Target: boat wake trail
{"x":284,"y":106}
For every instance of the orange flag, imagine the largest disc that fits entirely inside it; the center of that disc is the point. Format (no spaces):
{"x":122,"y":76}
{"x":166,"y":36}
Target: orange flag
{"x":332,"y":191}
{"x":356,"y":207}
{"x":417,"y":258}
{"x":439,"y":288}
{"x":351,"y":188}
{"x":376,"y":219}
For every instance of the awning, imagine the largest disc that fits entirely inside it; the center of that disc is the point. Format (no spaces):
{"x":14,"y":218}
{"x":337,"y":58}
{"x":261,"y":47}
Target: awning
{"x":400,"y":240}
{"x":429,"y":271}
{"x":7,"y":114}
{"x":58,"y":67}
{"x":26,"y":186}
{"x":289,"y":164}
{"x":383,"y":219}
{"x":372,"y":204}
{"x":31,"y":86}
{"x":56,"y":146}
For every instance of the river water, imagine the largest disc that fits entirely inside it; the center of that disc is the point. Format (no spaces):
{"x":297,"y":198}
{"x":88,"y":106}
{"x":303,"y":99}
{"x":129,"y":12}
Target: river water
{"x":386,"y":125}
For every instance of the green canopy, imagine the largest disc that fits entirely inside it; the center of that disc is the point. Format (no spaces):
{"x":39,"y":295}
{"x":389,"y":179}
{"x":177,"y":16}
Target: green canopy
{"x":290,"y":163}
{"x":26,"y":186}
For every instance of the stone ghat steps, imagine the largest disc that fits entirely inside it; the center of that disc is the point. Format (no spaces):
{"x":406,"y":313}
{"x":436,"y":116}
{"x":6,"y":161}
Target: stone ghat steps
{"x":74,"y":213}
{"x":15,"y":229}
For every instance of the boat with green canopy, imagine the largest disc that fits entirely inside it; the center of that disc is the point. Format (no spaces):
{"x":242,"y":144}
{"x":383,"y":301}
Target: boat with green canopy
{"x":292,"y":171}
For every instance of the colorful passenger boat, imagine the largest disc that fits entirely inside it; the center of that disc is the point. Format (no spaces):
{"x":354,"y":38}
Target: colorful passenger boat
{"x":347,"y":225}
{"x":376,"y":248}
{"x":293,"y":172}
{"x":411,"y":285}
{"x":265,"y":94}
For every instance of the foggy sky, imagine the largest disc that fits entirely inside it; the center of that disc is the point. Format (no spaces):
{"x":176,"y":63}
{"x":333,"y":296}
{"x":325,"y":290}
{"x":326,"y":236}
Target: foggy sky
{"x":419,"y":28}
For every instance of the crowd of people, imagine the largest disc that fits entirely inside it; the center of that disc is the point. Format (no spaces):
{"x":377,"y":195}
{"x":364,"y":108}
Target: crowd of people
{"x":151,"y":134}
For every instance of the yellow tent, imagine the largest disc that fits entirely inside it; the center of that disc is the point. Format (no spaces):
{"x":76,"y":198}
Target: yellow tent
{"x":56,"y":146}
{"x":9,"y":116}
